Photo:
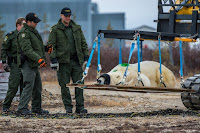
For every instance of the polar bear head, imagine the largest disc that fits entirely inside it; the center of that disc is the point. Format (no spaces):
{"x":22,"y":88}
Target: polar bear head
{"x":111,"y":78}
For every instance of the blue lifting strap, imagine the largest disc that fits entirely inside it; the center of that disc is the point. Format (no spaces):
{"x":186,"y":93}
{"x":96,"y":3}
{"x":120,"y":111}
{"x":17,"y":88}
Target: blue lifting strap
{"x":141,"y":51}
{"x":90,"y":58}
{"x":130,"y":55}
{"x":138,"y":52}
{"x":161,"y":77}
{"x":181,"y":62}
{"x":98,"y":61}
{"x":120,"y":53}
{"x":181,"y":58}
{"x":88,"y":63}
{"x":160,"y":54}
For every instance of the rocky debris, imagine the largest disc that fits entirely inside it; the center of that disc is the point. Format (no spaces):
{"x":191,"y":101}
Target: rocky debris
{"x":166,"y":112}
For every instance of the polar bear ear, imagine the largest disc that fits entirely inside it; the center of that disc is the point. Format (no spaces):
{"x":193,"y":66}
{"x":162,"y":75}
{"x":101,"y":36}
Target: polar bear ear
{"x":104,"y":79}
{"x":101,"y":80}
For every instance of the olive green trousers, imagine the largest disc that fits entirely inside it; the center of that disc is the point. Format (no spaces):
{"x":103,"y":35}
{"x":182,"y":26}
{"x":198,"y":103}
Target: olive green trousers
{"x":32,"y":88}
{"x":67,"y":71}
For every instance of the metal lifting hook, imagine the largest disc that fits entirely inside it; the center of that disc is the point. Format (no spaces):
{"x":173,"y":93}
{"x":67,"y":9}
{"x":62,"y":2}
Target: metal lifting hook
{"x":140,"y":79}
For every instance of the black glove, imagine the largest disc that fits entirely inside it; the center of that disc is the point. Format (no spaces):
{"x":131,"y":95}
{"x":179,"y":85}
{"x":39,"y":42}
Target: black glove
{"x":54,"y":64}
{"x":48,"y":48}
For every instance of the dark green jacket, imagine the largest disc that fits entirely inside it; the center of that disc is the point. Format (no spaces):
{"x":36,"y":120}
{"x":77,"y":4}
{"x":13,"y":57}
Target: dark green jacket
{"x":31,"y":45}
{"x":59,"y":39}
{"x":9,"y":46}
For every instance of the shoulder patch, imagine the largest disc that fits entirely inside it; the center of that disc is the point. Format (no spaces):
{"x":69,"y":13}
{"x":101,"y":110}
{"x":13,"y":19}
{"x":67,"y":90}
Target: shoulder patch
{"x":6,"y":38}
{"x":53,"y":28}
{"x":23,"y":35}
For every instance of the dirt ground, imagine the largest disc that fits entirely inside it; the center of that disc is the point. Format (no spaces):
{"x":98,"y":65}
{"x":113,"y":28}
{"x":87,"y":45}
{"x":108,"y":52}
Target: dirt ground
{"x":117,"y":104}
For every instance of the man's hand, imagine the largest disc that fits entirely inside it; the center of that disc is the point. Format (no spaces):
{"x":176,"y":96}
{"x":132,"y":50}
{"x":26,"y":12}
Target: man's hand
{"x":54,"y":64}
{"x":48,"y":48}
{"x":86,"y":57}
{"x":42,"y":63}
{"x":6,"y":67}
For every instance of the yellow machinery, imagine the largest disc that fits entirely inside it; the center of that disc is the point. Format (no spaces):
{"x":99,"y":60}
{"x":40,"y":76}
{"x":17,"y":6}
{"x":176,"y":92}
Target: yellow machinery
{"x":186,"y":9}
{"x":182,"y":18}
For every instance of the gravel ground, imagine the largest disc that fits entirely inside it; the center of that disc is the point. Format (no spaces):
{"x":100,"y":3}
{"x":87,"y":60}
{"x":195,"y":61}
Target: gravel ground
{"x":119,"y":111}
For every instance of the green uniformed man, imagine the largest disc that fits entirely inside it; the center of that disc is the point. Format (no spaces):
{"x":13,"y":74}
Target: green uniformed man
{"x":31,"y":56}
{"x":70,"y":50}
{"x":9,"y":60}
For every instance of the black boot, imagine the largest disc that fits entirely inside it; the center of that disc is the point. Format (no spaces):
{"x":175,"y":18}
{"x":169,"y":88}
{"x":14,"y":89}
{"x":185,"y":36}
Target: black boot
{"x":41,"y":112}
{"x":6,"y":110}
{"x":24,"y":112}
{"x":69,"y":110}
{"x":81,"y":110}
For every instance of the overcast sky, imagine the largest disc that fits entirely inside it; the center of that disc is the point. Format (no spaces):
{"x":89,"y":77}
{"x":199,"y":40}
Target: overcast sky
{"x":137,"y":12}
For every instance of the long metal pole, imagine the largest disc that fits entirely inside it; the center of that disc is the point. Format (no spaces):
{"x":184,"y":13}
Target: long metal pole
{"x":130,"y":88}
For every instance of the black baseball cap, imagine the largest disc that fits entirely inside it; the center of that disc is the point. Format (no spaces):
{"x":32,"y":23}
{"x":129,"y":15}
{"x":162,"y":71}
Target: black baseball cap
{"x":32,"y":17}
{"x":66,"y":11}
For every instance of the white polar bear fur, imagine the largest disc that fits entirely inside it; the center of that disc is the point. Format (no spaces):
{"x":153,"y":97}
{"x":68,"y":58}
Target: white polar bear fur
{"x":117,"y":77}
{"x":150,"y":74}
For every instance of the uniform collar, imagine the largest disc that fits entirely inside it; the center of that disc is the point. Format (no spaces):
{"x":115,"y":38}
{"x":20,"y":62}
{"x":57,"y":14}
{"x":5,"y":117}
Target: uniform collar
{"x":16,"y":31}
{"x":71,"y":24}
{"x":32,"y":30}
{"x":61,"y":25}
{"x":28,"y":27}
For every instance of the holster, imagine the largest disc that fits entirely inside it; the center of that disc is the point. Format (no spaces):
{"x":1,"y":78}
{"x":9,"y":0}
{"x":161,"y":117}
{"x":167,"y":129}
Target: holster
{"x":9,"y":60}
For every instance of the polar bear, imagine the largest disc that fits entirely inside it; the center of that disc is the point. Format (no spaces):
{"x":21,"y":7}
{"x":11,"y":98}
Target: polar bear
{"x":150,"y":75}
